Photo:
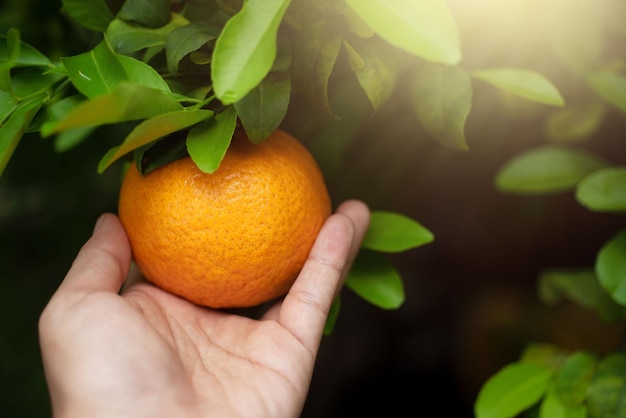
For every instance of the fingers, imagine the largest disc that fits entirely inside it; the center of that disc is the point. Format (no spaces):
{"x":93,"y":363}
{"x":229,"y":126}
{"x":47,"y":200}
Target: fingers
{"x":305,"y":308}
{"x":103,"y":262}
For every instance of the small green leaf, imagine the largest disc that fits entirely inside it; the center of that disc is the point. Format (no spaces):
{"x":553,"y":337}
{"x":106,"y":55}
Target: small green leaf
{"x":425,"y":28}
{"x":547,"y":169}
{"x":246,"y":49}
{"x":576,"y":122}
{"x":154,"y":129}
{"x":67,"y":140}
{"x":28,"y":56}
{"x":150,"y":13}
{"x":333,"y":314}
{"x":96,"y":72}
{"x":143,"y":74}
{"x":572,"y":380}
{"x":604,"y":190}
{"x":126,"y":38}
{"x":442,"y":98}
{"x":393,"y":232}
{"x":553,"y":407}
{"x":611,"y":87}
{"x":524,"y":83}
{"x":13,"y":129}
{"x":186,"y":39}
{"x":376,"y":69}
{"x":207,"y":143}
{"x":91,"y":14}
{"x":607,"y":391}
{"x":374,"y":279}
{"x":511,"y":390}
{"x":581,"y":287}
{"x":264,"y":108}
{"x":128,"y":102}
{"x":611,"y":267}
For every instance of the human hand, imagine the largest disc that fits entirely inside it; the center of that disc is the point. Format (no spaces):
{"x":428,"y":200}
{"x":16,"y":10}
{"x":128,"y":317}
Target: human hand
{"x":147,"y":353}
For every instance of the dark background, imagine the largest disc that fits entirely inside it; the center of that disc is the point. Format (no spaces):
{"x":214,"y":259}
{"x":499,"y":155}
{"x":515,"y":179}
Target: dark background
{"x":471,"y":303}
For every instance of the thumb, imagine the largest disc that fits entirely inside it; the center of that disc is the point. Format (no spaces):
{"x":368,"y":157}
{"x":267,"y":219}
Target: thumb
{"x":103,"y":262}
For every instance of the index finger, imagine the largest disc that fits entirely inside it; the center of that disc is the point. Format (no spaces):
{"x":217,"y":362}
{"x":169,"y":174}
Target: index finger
{"x":306,"y":306}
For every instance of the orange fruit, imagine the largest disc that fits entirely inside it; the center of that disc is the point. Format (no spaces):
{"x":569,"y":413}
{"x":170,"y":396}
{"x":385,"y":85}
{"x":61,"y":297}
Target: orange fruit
{"x":234,"y":238}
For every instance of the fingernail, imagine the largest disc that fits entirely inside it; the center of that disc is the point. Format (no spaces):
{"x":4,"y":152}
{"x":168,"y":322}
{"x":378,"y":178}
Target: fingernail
{"x":99,"y":223}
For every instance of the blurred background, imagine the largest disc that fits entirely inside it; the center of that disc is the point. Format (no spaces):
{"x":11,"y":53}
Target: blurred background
{"x":471,"y":298}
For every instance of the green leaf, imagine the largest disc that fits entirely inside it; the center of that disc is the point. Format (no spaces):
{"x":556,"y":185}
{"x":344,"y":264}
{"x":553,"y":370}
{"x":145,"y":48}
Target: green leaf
{"x":572,"y":380}
{"x":513,"y":389}
{"x":393,"y":232}
{"x":13,"y":129}
{"x":524,"y":83}
{"x":67,"y":140}
{"x":604,"y":190}
{"x":8,"y":104}
{"x":333,"y":314}
{"x":546,"y":169}
{"x":155,"y":155}
{"x":143,"y":74}
{"x":576,"y":122}
{"x":33,"y":82}
{"x":96,"y":72}
{"x":607,"y":392}
{"x":581,"y":287}
{"x":91,"y":14}
{"x":611,"y":267}
{"x":13,"y":48}
{"x":442,"y":98}
{"x":28,"y":56}
{"x":550,"y":356}
{"x":263,"y":109}
{"x":246,"y":49}
{"x":153,"y":129}
{"x":128,"y":102}
{"x":374,"y":279}
{"x":611,"y":87}
{"x":126,"y":38}
{"x":375,"y":68}
{"x":186,"y":39}
{"x":150,"y":13}
{"x":425,"y":28}
{"x":553,"y":407}
{"x":207,"y":143}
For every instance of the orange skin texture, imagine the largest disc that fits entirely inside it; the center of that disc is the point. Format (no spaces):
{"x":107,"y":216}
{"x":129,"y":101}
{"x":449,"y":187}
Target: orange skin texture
{"x":234,"y":238}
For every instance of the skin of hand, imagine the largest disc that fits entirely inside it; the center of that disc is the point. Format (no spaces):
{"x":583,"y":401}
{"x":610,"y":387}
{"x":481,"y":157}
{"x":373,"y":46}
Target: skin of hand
{"x":145,"y":353}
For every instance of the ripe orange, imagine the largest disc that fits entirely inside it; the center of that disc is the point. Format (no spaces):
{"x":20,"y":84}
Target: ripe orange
{"x":234,"y":238}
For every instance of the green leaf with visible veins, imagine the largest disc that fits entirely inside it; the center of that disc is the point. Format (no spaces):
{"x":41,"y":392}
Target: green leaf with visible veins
{"x":442,"y":99}
{"x":246,"y":49}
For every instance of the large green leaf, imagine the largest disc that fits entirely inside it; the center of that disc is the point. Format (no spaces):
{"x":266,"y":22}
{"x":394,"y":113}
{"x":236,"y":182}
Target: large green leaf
{"x":442,"y":98}
{"x":512,"y":390}
{"x":524,"y":83}
{"x":393,"y":232}
{"x":186,"y":39}
{"x":424,"y":28}
{"x":611,"y":87}
{"x":95,"y":72}
{"x":547,"y":169}
{"x":128,"y":102}
{"x":154,"y":129}
{"x":12,"y":130}
{"x":126,"y":38}
{"x":572,"y":380}
{"x":374,"y":279}
{"x":265,"y":107}
{"x":246,"y":49}
{"x":91,"y":14}
{"x":611,"y":267}
{"x":581,"y":287}
{"x":604,"y":190}
{"x":375,"y":68}
{"x":208,"y":142}
{"x":607,"y":391}
{"x":150,"y":13}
